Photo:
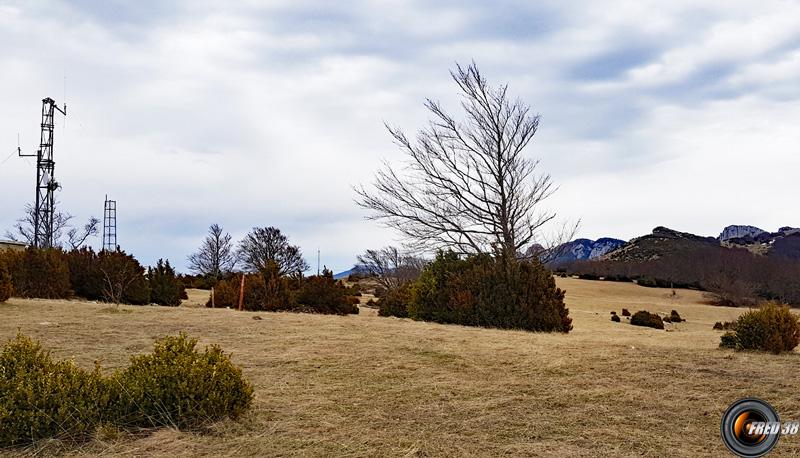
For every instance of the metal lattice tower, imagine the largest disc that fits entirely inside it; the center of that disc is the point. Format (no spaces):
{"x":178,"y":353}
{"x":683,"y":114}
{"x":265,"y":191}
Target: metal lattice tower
{"x":46,"y":184}
{"x":110,"y":225}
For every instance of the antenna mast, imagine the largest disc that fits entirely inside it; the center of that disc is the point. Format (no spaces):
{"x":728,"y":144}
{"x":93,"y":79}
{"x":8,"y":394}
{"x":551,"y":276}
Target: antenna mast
{"x":46,"y":184}
{"x":110,"y":225}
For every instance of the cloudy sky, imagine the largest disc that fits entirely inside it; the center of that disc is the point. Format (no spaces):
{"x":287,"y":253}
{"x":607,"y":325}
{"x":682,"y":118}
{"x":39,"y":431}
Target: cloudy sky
{"x":266,"y":113}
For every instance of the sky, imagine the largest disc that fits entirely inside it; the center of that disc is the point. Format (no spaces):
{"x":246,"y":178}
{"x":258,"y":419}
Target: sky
{"x":251,"y":113}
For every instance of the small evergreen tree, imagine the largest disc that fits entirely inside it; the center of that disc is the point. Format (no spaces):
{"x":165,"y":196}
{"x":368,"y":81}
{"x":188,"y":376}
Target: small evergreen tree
{"x":124,"y":279}
{"x":84,"y":273}
{"x":276,"y":294}
{"x":40,"y":273}
{"x":165,"y":288}
{"x":323,"y":294}
{"x":493,"y":291}
{"x":6,"y":287}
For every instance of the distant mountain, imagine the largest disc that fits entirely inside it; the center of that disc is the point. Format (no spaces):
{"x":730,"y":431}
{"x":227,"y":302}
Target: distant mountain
{"x":740,"y":267}
{"x":581,"y":250}
{"x":354,"y":270}
{"x":664,"y":241}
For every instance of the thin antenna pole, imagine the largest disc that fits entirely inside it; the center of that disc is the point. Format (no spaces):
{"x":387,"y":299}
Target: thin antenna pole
{"x":317,"y":262}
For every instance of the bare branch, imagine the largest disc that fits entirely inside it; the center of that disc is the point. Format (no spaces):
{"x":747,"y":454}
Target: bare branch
{"x":466,"y":186}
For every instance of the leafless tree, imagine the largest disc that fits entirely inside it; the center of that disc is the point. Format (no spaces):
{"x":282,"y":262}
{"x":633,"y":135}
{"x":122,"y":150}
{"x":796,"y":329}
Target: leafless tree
{"x":216,"y":255}
{"x":23,"y":230}
{"x":265,"y":244}
{"x":76,"y":238}
{"x":391,"y":267}
{"x":468,"y":185}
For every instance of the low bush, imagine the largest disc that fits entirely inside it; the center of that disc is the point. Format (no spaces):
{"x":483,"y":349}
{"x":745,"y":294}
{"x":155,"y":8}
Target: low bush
{"x":395,"y":302}
{"x":175,"y":386}
{"x":38,"y":273}
{"x":257,"y":296}
{"x":6,"y":287}
{"x":41,"y":398}
{"x":647,"y":319}
{"x":178,"y":386}
{"x":675,"y":317}
{"x":728,"y":340}
{"x":323,"y":294}
{"x":771,"y":328}
{"x":277,"y":290}
{"x":615,"y":318}
{"x":667,"y":319}
{"x":625,"y":312}
{"x":492,"y":291}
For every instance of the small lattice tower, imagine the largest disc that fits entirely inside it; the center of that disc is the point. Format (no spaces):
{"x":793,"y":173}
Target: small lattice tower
{"x":110,"y":225}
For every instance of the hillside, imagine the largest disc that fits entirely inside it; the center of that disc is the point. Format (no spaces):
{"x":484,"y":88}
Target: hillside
{"x":661,"y":242}
{"x":369,"y":386}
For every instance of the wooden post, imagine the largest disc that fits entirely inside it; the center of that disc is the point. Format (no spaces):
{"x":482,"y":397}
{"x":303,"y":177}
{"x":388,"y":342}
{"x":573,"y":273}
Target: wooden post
{"x":212,"y":297}
{"x":241,"y":295}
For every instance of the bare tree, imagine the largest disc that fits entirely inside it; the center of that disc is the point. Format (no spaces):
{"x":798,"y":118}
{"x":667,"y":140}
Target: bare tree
{"x":23,"y":230}
{"x":216,"y":256}
{"x":265,"y":244}
{"x":467,"y":185}
{"x":76,"y":238}
{"x":391,"y":267}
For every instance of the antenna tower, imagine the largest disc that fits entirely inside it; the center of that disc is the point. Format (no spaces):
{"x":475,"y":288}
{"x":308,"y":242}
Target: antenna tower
{"x":46,"y":184}
{"x":110,"y":225}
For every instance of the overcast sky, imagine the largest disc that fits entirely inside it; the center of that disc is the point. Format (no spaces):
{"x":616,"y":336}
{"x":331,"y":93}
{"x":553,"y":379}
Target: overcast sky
{"x":265,"y":113}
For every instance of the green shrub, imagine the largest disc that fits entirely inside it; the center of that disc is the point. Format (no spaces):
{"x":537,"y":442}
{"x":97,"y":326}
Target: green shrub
{"x":277,"y":293}
{"x":84,"y":274}
{"x":178,"y":386}
{"x":226,"y":293}
{"x":6,"y":287}
{"x":772,"y":328}
{"x":41,"y":398}
{"x":40,"y":273}
{"x":395,"y":302}
{"x":123,"y":278}
{"x":728,"y":340}
{"x":483,"y":290}
{"x":165,"y":288}
{"x":645,"y":318}
{"x":323,"y":294}
{"x":265,"y":291}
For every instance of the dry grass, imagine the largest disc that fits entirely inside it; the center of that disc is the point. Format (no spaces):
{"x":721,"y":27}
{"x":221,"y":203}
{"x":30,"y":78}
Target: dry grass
{"x":369,"y":386}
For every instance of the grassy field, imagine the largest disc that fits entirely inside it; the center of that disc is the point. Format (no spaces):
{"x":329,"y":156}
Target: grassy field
{"x":370,"y":386}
